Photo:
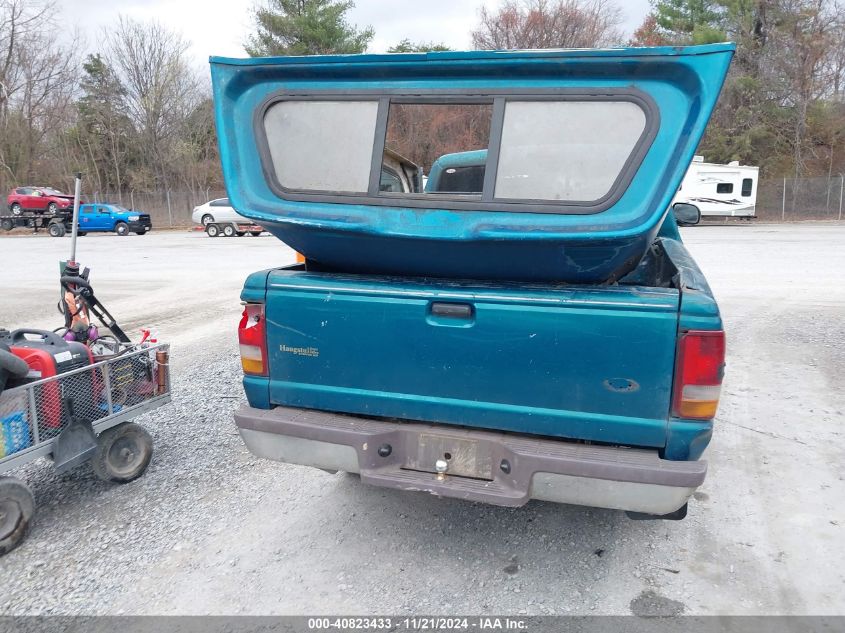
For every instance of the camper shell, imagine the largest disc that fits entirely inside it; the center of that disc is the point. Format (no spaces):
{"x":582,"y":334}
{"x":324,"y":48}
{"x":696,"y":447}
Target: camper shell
{"x":585,"y":150}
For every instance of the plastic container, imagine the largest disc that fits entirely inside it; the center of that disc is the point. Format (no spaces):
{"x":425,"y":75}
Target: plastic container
{"x":14,"y":427}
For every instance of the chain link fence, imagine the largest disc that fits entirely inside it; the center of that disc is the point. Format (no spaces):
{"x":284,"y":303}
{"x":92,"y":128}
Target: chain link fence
{"x":166,"y":208}
{"x":797,"y":199}
{"x":778,"y":200}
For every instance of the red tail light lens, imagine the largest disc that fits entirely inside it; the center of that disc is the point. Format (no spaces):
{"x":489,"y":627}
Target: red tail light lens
{"x":252,"y":336}
{"x":699,"y":369}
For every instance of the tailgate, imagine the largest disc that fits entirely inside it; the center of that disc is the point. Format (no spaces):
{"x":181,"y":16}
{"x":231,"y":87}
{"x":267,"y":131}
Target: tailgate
{"x":590,"y":363}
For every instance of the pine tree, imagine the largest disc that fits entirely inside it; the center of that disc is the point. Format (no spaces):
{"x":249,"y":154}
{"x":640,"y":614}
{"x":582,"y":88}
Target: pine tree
{"x":306,"y":27}
{"x":690,"y":21}
{"x":105,"y":131}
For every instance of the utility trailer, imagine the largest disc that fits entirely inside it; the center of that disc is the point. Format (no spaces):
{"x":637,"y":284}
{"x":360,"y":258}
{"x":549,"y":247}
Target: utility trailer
{"x":45,"y":418}
{"x":57,"y":224}
{"x":230,"y":229}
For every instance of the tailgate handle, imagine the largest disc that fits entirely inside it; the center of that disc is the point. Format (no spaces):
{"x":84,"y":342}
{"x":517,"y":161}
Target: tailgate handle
{"x":453,"y":310}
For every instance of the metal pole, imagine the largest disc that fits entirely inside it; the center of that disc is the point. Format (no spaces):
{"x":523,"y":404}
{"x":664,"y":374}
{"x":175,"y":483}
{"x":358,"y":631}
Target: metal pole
{"x":827,"y":204}
{"x":783,"y":205}
{"x":132,"y":198}
{"x":75,"y":226}
{"x":169,"y":212}
{"x":107,"y":386}
{"x":33,"y":415}
{"x":841,"y":189}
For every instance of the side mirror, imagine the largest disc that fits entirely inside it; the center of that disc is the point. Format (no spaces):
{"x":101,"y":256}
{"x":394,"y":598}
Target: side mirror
{"x":686,"y":214}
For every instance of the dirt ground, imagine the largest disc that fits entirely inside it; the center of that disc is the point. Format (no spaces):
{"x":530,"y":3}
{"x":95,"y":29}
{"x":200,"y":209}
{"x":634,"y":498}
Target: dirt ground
{"x":210,"y":529}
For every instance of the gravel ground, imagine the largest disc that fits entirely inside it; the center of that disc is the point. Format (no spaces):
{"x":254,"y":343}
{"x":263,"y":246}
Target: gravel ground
{"x":210,"y":529}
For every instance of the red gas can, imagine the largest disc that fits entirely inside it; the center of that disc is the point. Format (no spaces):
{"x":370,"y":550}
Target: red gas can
{"x":48,"y":355}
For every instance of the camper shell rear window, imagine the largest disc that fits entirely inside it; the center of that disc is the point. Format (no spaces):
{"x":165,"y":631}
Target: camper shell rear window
{"x":562,"y":151}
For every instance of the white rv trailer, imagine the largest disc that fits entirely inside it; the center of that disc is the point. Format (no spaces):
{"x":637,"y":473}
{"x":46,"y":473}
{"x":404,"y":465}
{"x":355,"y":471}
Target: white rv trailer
{"x":720,"y":190}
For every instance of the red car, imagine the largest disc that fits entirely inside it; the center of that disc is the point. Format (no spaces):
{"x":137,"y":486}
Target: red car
{"x":43,"y":199}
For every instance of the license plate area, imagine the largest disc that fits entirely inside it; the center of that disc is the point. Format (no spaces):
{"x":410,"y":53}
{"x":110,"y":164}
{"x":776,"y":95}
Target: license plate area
{"x":465,"y":457}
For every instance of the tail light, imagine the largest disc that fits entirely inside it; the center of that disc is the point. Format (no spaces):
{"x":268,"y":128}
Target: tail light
{"x":699,"y":369}
{"x":252,"y":336}
{"x":300,"y":258}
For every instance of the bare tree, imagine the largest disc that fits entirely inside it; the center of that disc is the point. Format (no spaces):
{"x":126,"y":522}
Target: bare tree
{"x":549,"y":24}
{"x":804,"y":46}
{"x":836,"y":59}
{"x":161,"y":89}
{"x":37,"y":78}
{"x":18,"y":20}
{"x":198,"y":159}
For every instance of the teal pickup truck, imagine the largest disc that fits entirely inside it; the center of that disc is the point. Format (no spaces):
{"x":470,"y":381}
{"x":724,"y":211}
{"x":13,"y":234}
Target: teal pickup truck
{"x":495,"y":302}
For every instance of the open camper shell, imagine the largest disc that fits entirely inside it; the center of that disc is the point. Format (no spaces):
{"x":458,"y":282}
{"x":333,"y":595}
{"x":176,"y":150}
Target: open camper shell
{"x":585,"y":150}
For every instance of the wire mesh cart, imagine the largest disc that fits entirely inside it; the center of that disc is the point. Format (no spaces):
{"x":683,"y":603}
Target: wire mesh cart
{"x":75,"y":417}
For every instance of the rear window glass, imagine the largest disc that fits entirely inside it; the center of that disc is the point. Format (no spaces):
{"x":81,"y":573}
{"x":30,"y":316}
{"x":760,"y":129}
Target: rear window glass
{"x":480,"y":151}
{"x":420,"y":135}
{"x":461,"y":179}
{"x":565,"y":150}
{"x":322,"y":145}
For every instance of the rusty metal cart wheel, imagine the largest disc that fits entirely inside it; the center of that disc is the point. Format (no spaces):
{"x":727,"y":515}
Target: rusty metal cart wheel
{"x":123,"y":453}
{"x":17,"y":506}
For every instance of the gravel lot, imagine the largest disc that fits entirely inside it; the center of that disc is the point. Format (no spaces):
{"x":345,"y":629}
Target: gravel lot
{"x":210,"y":529}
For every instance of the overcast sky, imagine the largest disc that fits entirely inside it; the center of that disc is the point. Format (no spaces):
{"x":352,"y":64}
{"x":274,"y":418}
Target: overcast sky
{"x":219,"y":27}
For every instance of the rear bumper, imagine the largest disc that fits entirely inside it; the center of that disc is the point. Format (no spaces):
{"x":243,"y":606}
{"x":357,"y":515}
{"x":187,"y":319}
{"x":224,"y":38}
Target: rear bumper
{"x":552,"y":470}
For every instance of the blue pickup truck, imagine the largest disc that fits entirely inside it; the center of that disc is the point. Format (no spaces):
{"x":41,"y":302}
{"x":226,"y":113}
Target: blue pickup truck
{"x":112,"y":218}
{"x":533,"y":330}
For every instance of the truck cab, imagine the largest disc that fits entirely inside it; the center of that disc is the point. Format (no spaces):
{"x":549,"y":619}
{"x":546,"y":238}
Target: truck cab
{"x":510,"y":313}
{"x":461,"y":172}
{"x":107,"y":218}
